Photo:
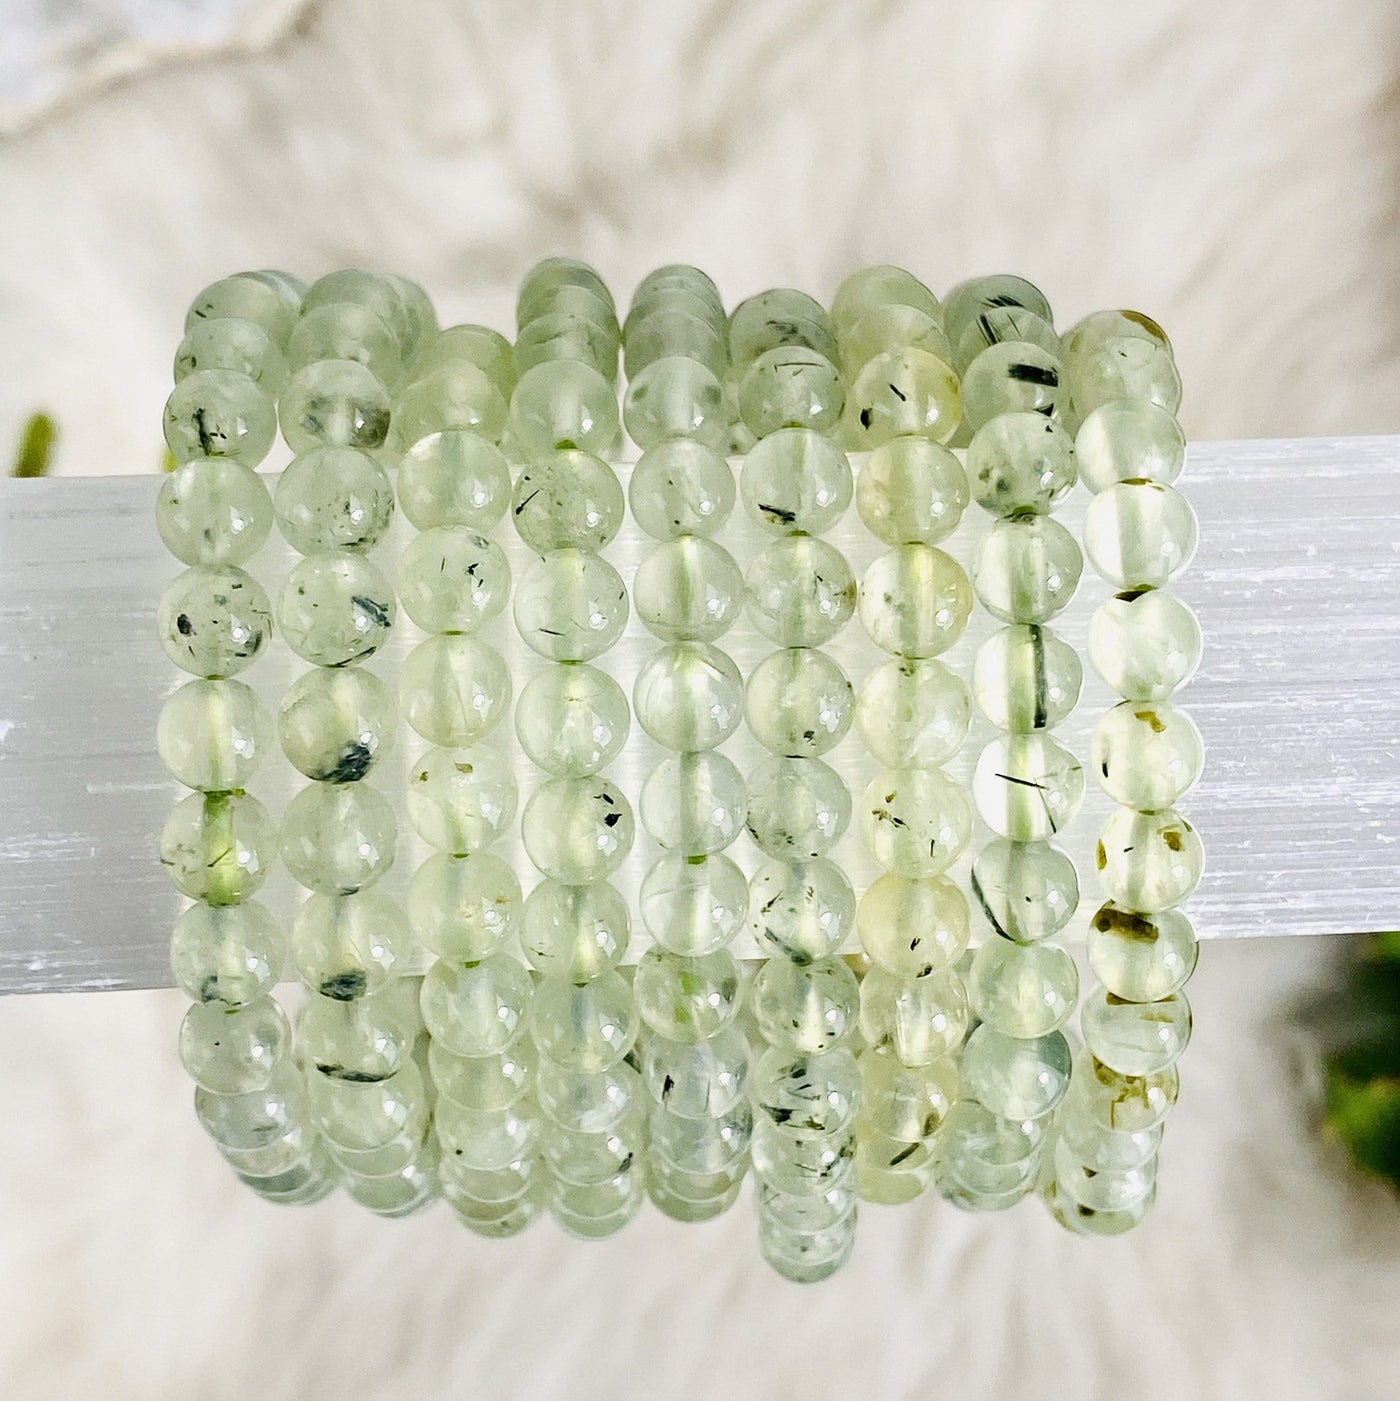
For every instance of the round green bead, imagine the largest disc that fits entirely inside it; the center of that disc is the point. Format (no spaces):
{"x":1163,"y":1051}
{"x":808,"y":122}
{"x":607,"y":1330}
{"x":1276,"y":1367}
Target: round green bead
{"x":801,"y":910}
{"x":676,"y":397}
{"x":570,"y":606}
{"x":971,"y":299}
{"x":976,"y":1138}
{"x":1106,"y":1192}
{"x":795,"y":480}
{"x":1141,"y":958}
{"x":360,"y":1041}
{"x":791,"y":387}
{"x":453,"y":580}
{"x":694,"y":803}
{"x":567,"y":499}
{"x":575,"y":300}
{"x":1023,"y":990}
{"x":673,"y":277}
{"x":333,"y":403}
{"x":213,"y":620}
{"x":891,"y":327}
{"x":540,"y":285}
{"x":1027,"y":570}
{"x":218,"y":847}
{"x":1139,"y":534}
{"x":915,"y":601}
{"x":1146,"y":756}
{"x":572,"y":720}
{"x":1122,"y":1103}
{"x":346,"y":331}
{"x":345,"y":946}
{"x":335,"y":608}
{"x":913,"y":927}
{"x":1027,"y":787}
{"x":1123,"y":367}
{"x":481,"y":346}
{"x":683,"y":289}
{"x":577,"y":830}
{"x":911,"y":490}
{"x":212,"y":735}
{"x":367,"y":289}
{"x":798,"y":702}
{"x":1094,"y":1146}
{"x":1026,"y":890}
{"x":1015,"y":1078}
{"x":1136,"y":1038}
{"x":568,"y":335}
{"x":687,"y":999}
{"x":454,"y":690}
{"x":245,"y":297}
{"x":287,"y":285}
{"x":798,"y":808}
{"x":1127,"y":440}
{"x":905,"y":1102}
{"x":477,"y":1009}
{"x":681,"y":487}
{"x":454,"y":478}
{"x":230,"y":343}
{"x":1026,"y":678}
{"x":676,"y":330}
{"x":338,"y":838}
{"x":585,"y":1028}
{"x":916,"y":1020}
{"x":1011,"y":377}
{"x":231,"y":1050}
{"x":877,"y":286}
{"x":704,"y":1080}
{"x":335,"y":725}
{"x":914,"y":822}
{"x":1145,"y":646}
{"x":1019,"y":463}
{"x":999,"y":325}
{"x":780,"y":316}
{"x":818,"y":1091}
{"x":913,"y":713}
{"x":462,"y":908}
{"x":689,"y":588}
{"x":576,"y":932}
{"x":689,"y":696}
{"x":483,"y":1083}
{"x":213,"y":511}
{"x":564,"y":404}
{"x":453,"y":397}
{"x":1149,"y":861}
{"x":219,"y":413}
{"x":801,"y":591}
{"x":903,"y":392}
{"x":461,"y":800}
{"x":1102,"y":326}
{"x":808,"y":1007}
{"x":693,"y":905}
{"x":227,"y":953}
{"x":332,"y":499}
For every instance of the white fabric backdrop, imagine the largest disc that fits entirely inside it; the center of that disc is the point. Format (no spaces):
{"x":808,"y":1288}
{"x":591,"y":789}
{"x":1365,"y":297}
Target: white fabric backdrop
{"x":1233,"y":171}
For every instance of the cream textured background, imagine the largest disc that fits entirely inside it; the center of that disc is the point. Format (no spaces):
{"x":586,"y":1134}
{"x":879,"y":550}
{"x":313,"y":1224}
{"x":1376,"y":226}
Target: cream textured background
{"x":1233,"y":170}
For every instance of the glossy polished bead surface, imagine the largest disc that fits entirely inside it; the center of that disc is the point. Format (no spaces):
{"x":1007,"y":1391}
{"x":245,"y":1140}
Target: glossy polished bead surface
{"x":336,"y":724}
{"x":913,"y":713}
{"x":1141,"y":958}
{"x":1025,"y":890}
{"x":801,"y":591}
{"x":681,"y":487}
{"x":1014,"y":1078}
{"x":332,"y":499}
{"x":689,"y":696}
{"x":1146,"y":756}
{"x":574,"y":931}
{"x":694,"y":803}
{"x":687,"y":998}
{"x":452,"y":397}
{"x":345,"y":946}
{"x":913,"y":927}
{"x":792,"y":386}
{"x":219,"y":413}
{"x":338,"y":838}
{"x":1027,"y":787}
{"x":1128,"y":440}
{"x":675,"y":396}
{"x":1019,"y":463}
{"x":567,"y":499}
{"x":795,"y":480}
{"x":1145,"y":646}
{"x":451,"y":579}
{"x":462,"y":908}
{"x":212,"y":735}
{"x":801,"y":910}
{"x":798,"y":702}
{"x":213,"y":620}
{"x":218,"y":847}
{"x":914,"y":822}
{"x":335,"y":608}
{"x":577,"y":830}
{"x":1136,"y":1038}
{"x":916,"y":1020}
{"x":333,"y":403}
{"x":798,"y":808}
{"x":693,"y":906}
{"x":227,"y":953}
{"x":454,"y":690}
{"x":903,"y":392}
{"x":453,"y":478}
{"x":1139,"y":535}
{"x":570,"y":606}
{"x":1025,"y":678}
{"x":213,"y":511}
{"x":1027,"y":570}
{"x":1023,"y":990}
{"x":572,"y":720}
{"x":1149,"y":861}
{"x":1011,"y":377}
{"x":461,"y":800}
{"x":914,"y":601}
{"x":911,"y":489}
{"x":688,"y":588}
{"x":805,"y":1007}
{"x":564,"y":404}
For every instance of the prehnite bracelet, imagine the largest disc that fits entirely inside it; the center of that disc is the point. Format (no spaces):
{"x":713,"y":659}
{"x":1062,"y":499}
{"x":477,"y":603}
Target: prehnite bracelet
{"x":489,"y":1046}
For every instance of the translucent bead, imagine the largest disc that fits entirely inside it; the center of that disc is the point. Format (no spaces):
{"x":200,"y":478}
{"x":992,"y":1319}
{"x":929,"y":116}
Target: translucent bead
{"x":1139,"y":534}
{"x":1149,"y":861}
{"x":903,"y":391}
{"x":577,"y":830}
{"x":594,"y":1211}
{"x":998,"y":325}
{"x":1024,"y":990}
{"x":586,"y":303}
{"x":798,"y":808}
{"x":334,"y":499}
{"x":1145,"y":646}
{"x":1026,"y":890}
{"x":335,"y":608}
{"x":798,"y":703}
{"x":812,"y":1171}
{"x":333,"y":403}
{"x":335,"y":725}
{"x":1135,"y":1038}
{"x":913,"y":927}
{"x":227,"y":953}
{"x":1101,"y":326}
{"x":1141,"y":958}
{"x":694,"y":803}
{"x":481,"y":346}
{"x":1122,"y":1103}
{"x":231,"y":1050}
{"x":795,"y":480}
{"x":805,"y":1257}
{"x":567,"y":499}
{"x":676,"y":331}
{"x":877,"y":1181}
{"x":1025,"y":678}
{"x":687,"y":999}
{"x":693,"y":906}
{"x":1114,"y":1190}
{"x":218,"y":847}
{"x":345,"y":946}
{"x":999,"y":1153}
{"x":915,"y":601}
{"x":564,"y":404}
{"x":681,"y":487}
{"x":702,"y":1146}
{"x":683,"y":289}
{"x":916,"y":1020}
{"x":677,"y":277}
{"x":1014,"y":1078}
{"x":801,"y":591}
{"x":1123,"y":367}
{"x":791,"y":387}
{"x":572,"y":720}
{"x":813,"y":1092}
{"x":452,"y":397}
{"x":213,"y":620}
{"x":361,"y":288}
{"x":362,"y":1040}
{"x":906,"y":1102}
{"x":1027,"y":787}
{"x":540,"y":285}
{"x":462,"y":908}
{"x":914,"y":822}
{"x":676,"y":397}
{"x":345,"y":331}
{"x":911,"y":489}
{"x":213,"y":511}
{"x":688,"y":588}
{"x":586,"y":1028}
{"x":570,"y":606}
{"x":1020,"y":462}
{"x":338,"y":838}
{"x":892,"y":327}
{"x":1011,"y":377}
{"x":701,"y":1080}
{"x":1145,"y":756}
{"x":483,"y":1083}
{"x":1108,"y":1150}
{"x":262,"y":1128}
{"x":374,"y":1115}
{"x":913,"y":713}
{"x":968,"y":300}
{"x":1027,"y":570}
{"x":1129,"y":440}
{"x":589,"y":1101}
{"x":574,"y":931}
{"x":246,"y":297}
{"x":779,"y":316}
{"x":461,"y":800}
{"x":212,"y":735}
{"x":453,"y":478}
{"x":567,"y":335}
{"x":801,"y":910}
{"x":477,"y":1009}
{"x":453,"y":580}
{"x":454,"y":690}
{"x":689,"y":696}
{"x":808,"y":1007}
{"x":878,"y":286}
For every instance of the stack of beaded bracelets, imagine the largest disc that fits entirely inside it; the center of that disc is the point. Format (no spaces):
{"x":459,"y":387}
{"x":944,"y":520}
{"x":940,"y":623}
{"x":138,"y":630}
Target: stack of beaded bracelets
{"x":490,"y":1047}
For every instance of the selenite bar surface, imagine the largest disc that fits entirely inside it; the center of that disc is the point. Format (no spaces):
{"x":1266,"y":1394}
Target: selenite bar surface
{"x":1297,"y":584}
